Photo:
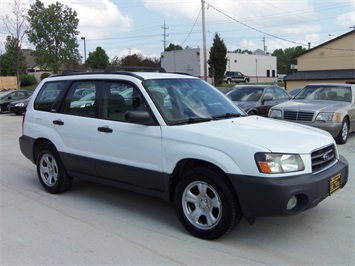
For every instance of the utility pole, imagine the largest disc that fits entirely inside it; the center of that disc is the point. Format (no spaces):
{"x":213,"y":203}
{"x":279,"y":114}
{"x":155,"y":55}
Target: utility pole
{"x":204,"y":41}
{"x":165,"y":35}
{"x":264,"y":41}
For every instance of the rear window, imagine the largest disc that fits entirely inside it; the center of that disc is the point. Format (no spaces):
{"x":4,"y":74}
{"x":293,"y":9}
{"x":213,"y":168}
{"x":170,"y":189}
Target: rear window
{"x":48,"y":95}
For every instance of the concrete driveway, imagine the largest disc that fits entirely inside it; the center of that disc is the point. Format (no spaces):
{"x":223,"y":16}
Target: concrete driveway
{"x":96,"y":225}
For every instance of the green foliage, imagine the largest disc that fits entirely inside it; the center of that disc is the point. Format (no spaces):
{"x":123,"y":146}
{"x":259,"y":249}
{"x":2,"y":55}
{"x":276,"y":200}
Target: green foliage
{"x":27,"y":80}
{"x":53,"y":32}
{"x":98,"y":59}
{"x":12,"y":62}
{"x":173,"y":47}
{"x":218,"y":60}
{"x":287,"y":57}
{"x":45,"y":75}
{"x":139,"y":60}
{"x":240,"y":51}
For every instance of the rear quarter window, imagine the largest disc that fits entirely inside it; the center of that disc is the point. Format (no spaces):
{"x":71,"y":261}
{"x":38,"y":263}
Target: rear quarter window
{"x":48,"y":95}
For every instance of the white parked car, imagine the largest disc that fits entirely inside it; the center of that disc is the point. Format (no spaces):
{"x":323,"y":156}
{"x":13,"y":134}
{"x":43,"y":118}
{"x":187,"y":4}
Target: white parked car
{"x":176,"y":137}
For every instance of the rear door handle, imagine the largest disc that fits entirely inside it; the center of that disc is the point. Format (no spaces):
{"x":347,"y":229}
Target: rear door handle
{"x":58,"y":122}
{"x":105,"y":129}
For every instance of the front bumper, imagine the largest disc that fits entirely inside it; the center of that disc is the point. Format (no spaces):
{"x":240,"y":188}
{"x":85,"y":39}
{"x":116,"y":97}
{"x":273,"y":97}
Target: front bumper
{"x":332,"y":127}
{"x":269,"y":196}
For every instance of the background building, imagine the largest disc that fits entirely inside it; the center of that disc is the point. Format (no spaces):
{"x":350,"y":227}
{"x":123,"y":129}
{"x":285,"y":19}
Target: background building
{"x":331,"y":62}
{"x":260,"y":67}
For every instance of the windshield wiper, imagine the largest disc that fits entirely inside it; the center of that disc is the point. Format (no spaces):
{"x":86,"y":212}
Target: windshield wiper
{"x":192,"y":120}
{"x":227,"y":115}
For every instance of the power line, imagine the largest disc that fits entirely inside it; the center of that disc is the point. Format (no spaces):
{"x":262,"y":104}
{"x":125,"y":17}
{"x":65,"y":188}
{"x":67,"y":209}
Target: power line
{"x":199,"y":13}
{"x":274,"y":36}
{"x":250,"y":27}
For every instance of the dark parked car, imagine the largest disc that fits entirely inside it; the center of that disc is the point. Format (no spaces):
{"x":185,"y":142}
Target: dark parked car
{"x":12,"y":96}
{"x":18,"y":107}
{"x":235,"y":77}
{"x":330,"y":107}
{"x":257,"y":99}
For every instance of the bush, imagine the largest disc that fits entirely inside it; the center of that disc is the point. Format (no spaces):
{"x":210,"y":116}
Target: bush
{"x":27,"y":80}
{"x":45,"y":75}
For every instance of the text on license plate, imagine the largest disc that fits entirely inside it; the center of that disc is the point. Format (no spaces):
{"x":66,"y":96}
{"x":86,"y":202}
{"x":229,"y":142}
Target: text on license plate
{"x":334,"y":183}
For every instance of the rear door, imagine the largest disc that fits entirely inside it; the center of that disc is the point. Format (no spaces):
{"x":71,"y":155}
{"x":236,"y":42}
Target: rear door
{"x":74,"y":126}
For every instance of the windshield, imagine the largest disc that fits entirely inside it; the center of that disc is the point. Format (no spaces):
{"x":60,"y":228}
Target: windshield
{"x":189,"y":101}
{"x":245,"y":94}
{"x":3,"y":94}
{"x":325,"y":93}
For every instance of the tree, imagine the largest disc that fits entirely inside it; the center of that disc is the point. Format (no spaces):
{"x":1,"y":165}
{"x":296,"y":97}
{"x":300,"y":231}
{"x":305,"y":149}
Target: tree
{"x":98,"y":59}
{"x":240,"y":51}
{"x":15,"y":26}
{"x":12,"y":62}
{"x":173,"y":47}
{"x":218,"y":60}
{"x":53,"y":31}
{"x":287,"y":57}
{"x":139,"y":60}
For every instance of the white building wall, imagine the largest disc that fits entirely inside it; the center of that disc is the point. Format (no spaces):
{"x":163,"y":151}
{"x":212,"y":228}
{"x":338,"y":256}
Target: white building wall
{"x":186,"y":61}
{"x":190,"y":61}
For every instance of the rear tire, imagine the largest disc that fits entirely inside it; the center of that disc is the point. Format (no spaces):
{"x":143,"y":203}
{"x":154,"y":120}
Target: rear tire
{"x":205,"y":204}
{"x":344,"y":132}
{"x":51,"y":173}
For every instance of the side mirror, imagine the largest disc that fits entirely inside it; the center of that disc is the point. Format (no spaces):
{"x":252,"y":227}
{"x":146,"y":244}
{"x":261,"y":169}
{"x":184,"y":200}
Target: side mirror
{"x":268,"y":97}
{"x":137,"y":116}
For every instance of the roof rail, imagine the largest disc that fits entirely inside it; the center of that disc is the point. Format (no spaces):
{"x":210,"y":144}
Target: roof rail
{"x":121,"y":70}
{"x":67,"y":72}
{"x":111,"y":69}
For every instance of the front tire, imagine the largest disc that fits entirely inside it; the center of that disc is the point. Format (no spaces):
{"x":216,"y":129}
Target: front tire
{"x":206,"y":205}
{"x":344,"y":132}
{"x":51,"y":173}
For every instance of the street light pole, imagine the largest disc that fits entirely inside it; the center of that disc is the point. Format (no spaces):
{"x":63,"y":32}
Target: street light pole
{"x":83,"y":38}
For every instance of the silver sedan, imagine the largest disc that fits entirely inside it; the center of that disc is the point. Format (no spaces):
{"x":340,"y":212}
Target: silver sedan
{"x":330,"y":107}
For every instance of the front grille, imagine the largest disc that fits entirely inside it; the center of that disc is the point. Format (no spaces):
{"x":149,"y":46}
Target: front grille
{"x":298,"y":116}
{"x":322,"y":158}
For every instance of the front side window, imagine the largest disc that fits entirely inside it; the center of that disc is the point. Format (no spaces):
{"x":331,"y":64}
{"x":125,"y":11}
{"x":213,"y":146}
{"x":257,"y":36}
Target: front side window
{"x":118,"y":98}
{"x":48,"y":95}
{"x":280,"y":93}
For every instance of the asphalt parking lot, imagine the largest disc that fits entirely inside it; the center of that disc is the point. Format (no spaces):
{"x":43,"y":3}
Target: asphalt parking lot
{"x":95,"y":225}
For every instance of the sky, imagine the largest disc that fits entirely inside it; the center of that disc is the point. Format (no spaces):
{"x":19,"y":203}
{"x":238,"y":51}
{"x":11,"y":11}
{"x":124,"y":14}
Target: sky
{"x":123,"y":27}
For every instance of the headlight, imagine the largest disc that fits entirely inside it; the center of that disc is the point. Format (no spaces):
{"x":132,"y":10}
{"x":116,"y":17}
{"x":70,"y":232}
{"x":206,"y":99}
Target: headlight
{"x":20,"y":104}
{"x":275,"y":113}
{"x":328,"y":117}
{"x":273,"y":163}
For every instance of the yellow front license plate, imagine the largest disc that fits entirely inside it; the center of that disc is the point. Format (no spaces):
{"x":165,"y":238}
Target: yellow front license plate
{"x":334,"y":183}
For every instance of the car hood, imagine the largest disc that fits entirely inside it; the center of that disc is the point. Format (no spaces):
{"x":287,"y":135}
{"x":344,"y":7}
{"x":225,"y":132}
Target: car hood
{"x":312,"y":105}
{"x":262,"y":133}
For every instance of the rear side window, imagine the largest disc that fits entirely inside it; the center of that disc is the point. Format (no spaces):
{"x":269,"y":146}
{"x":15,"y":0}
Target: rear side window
{"x":48,"y":95}
{"x":82,"y":98}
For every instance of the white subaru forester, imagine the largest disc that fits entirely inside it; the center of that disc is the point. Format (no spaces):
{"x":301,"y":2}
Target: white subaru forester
{"x":176,"y":137}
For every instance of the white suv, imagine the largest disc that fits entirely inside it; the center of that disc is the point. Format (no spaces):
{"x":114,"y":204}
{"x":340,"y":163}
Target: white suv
{"x":176,"y":137}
